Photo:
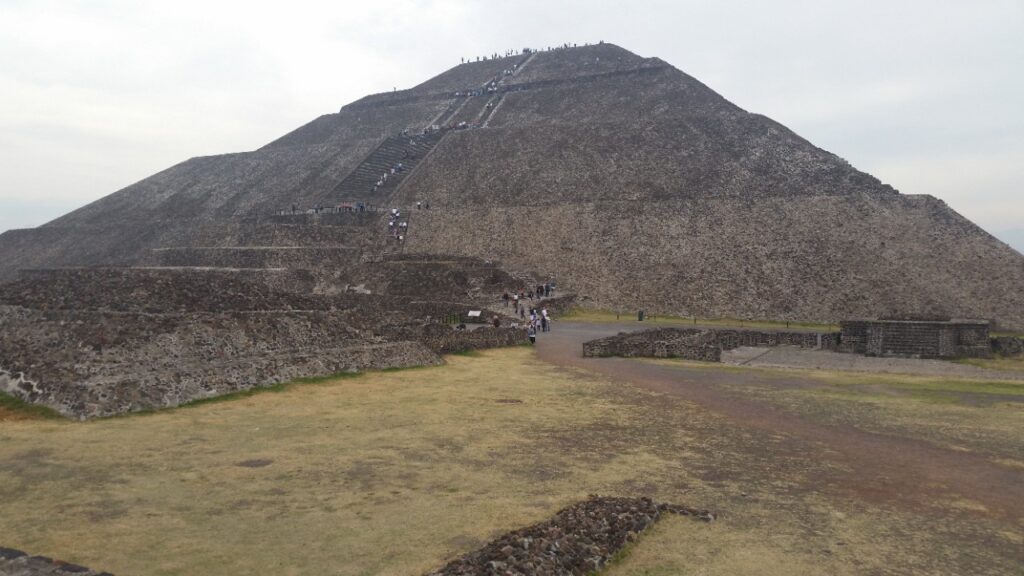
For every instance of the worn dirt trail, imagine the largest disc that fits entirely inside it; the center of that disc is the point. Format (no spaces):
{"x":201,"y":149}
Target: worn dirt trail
{"x":882,"y":469}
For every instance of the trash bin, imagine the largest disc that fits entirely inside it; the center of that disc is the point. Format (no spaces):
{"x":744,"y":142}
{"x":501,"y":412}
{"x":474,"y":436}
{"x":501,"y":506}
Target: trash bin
{"x":640,"y":316}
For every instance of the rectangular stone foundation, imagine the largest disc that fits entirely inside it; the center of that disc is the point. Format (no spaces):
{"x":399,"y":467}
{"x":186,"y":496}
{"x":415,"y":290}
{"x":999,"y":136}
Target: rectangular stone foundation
{"x":916,"y":338}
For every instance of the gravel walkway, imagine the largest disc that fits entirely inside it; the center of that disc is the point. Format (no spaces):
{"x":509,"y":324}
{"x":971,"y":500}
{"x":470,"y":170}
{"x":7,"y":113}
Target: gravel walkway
{"x":793,"y":357}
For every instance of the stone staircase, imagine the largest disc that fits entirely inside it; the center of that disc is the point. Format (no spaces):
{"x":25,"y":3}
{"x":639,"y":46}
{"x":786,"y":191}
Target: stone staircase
{"x":359,"y":186}
{"x":393,"y":245}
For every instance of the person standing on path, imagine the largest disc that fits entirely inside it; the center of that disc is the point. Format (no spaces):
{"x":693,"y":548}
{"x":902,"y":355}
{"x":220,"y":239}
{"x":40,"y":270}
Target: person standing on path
{"x":531,"y":332}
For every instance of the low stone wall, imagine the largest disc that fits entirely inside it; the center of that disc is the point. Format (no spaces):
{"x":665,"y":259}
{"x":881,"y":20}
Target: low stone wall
{"x":700,"y":343}
{"x":445,"y":339}
{"x":481,"y":338}
{"x":1008,"y":346}
{"x":926,"y":338}
{"x":163,"y":289}
{"x":259,"y":256}
{"x":559,"y":304}
{"x":455,"y":313}
{"x":731,"y":339}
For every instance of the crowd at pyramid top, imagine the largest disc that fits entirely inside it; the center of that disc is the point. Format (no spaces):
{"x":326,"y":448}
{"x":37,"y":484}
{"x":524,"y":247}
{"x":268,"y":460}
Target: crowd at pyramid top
{"x":524,"y":51}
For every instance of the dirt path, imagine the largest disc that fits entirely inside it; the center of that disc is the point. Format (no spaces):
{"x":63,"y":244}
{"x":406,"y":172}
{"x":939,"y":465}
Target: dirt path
{"x":793,"y":357}
{"x":881,"y":468}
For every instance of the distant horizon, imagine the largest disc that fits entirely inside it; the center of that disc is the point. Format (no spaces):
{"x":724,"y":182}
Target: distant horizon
{"x":883,"y":87}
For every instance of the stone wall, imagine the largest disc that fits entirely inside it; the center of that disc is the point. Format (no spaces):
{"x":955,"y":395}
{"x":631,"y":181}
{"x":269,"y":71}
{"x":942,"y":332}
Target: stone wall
{"x":700,"y":343}
{"x":917,"y":338}
{"x":559,"y":304}
{"x":451,"y":341}
{"x":259,"y":256}
{"x":162,"y":289}
{"x":1008,"y":345}
{"x":87,"y":364}
{"x":446,"y":339}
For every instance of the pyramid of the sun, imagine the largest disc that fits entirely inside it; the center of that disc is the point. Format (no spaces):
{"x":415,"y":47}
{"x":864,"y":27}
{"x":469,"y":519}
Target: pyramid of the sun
{"x":631,"y":183}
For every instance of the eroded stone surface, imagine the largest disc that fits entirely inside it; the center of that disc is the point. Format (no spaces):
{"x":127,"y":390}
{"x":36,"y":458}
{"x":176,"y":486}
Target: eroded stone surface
{"x":580,"y":539}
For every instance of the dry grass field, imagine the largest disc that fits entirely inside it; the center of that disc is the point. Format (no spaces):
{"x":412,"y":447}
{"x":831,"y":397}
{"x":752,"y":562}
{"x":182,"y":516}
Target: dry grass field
{"x":395,"y":472}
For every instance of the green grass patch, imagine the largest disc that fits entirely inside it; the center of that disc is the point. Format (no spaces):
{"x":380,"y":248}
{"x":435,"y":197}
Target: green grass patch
{"x":935,"y":390}
{"x":23,"y":409}
{"x":591,"y":315}
{"x":1011,"y":363}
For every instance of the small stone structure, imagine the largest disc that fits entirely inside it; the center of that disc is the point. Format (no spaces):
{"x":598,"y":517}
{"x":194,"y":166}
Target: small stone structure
{"x":701,"y":343}
{"x":17,"y":563}
{"x":580,"y":539}
{"x":1008,"y":345}
{"x":917,"y":337}
{"x":903,"y":337}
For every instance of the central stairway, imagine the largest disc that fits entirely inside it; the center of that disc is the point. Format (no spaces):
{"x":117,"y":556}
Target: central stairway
{"x":359,"y":186}
{"x":367,"y":183}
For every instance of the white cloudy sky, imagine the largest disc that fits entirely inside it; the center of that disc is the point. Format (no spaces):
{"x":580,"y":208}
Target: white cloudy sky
{"x":96,"y":94}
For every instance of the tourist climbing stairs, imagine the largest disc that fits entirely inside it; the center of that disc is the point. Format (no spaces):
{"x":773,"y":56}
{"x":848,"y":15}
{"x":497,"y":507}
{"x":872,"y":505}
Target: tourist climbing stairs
{"x":470,"y":111}
{"x":475,"y":111}
{"x":373,"y":181}
{"x":447,"y":117}
{"x":361,"y":185}
{"x":397,"y":234}
{"x":490,"y":109}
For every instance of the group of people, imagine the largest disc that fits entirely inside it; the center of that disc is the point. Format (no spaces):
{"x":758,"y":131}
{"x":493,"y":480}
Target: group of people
{"x":538,"y":321}
{"x":350,"y":207}
{"x":397,"y":228}
{"x":398,"y":168}
{"x":538,"y":316}
{"x":517,"y":299}
{"x":495,"y":56}
{"x":509,"y":53}
{"x":321,"y":209}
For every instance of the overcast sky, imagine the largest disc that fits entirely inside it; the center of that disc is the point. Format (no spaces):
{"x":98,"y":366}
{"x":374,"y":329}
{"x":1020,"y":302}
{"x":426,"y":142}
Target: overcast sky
{"x":96,"y":94}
